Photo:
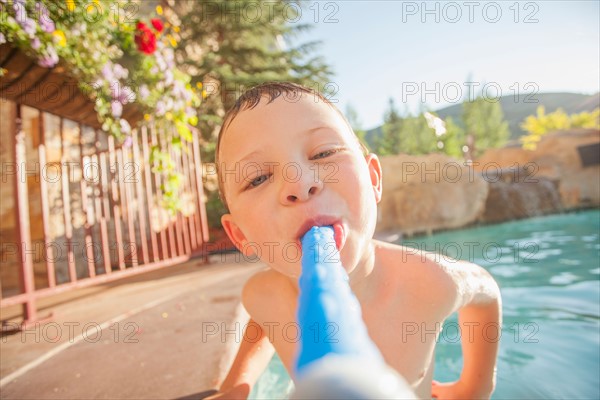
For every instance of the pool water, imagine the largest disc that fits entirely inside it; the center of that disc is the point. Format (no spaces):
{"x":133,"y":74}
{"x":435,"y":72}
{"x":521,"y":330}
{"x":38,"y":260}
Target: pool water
{"x":548,"y":269}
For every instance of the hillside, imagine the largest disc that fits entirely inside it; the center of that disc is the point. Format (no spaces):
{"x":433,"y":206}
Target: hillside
{"x":517,"y":109}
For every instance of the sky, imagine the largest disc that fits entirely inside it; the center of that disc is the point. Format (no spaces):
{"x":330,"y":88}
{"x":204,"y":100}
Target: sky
{"x":421,"y":54}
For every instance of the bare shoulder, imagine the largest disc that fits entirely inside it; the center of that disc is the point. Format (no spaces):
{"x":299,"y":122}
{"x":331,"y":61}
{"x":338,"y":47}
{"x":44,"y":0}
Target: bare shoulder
{"x":425,"y":276}
{"x":269,"y":294}
{"x":456,"y":282}
{"x":430,"y":268}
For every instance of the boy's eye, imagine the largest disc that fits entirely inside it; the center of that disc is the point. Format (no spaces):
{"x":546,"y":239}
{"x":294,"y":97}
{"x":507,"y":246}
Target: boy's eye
{"x":257,"y":181}
{"x":324,"y":154}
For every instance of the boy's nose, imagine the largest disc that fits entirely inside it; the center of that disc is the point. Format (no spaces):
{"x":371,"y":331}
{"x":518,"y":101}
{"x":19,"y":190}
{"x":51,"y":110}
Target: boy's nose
{"x":301,"y":190}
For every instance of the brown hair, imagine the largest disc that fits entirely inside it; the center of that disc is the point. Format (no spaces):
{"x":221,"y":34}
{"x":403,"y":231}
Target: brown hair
{"x":251,"y":98}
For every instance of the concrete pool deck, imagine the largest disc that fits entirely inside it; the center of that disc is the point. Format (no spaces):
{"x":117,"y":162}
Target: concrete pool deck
{"x":170,"y":333}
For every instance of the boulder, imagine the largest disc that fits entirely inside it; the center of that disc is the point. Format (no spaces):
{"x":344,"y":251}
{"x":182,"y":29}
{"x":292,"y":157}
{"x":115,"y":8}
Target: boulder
{"x":427,"y":193}
{"x":556,"y":158}
{"x":520,"y":197}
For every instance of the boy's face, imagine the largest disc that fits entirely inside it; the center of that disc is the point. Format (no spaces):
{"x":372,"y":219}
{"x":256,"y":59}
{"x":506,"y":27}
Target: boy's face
{"x":289,"y":165}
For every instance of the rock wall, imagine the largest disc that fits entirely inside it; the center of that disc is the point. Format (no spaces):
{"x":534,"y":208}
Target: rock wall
{"x":520,"y":198}
{"x":434,"y":192}
{"x":557,"y":159}
{"x":427,"y":193}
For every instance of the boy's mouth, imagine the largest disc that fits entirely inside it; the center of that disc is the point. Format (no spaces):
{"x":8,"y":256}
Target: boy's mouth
{"x":339,"y":232}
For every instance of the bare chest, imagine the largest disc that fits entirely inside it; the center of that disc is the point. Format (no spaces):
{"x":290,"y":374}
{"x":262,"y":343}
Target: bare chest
{"x":406,"y":337}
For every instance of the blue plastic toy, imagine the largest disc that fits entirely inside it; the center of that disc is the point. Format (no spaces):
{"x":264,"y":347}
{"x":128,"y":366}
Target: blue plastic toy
{"x":337,"y":358}
{"x":329,"y":314}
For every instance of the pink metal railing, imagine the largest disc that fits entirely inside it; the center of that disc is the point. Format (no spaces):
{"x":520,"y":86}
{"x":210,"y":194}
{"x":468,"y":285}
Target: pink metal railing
{"x":124,"y":231}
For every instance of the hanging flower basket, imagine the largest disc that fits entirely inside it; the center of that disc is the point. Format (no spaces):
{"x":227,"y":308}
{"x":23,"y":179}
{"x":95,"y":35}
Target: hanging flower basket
{"x":115,"y":61}
{"x":52,"y":90}
{"x":124,"y":69}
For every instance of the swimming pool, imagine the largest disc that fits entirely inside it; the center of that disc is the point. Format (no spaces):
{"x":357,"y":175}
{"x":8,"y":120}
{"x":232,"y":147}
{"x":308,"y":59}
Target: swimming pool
{"x":548,"y":269}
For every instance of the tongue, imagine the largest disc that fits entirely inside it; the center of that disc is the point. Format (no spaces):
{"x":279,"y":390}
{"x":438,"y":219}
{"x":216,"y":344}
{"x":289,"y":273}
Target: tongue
{"x":338,"y":235}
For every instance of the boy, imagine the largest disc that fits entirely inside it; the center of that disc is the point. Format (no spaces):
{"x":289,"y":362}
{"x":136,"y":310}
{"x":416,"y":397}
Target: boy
{"x":288,"y":160}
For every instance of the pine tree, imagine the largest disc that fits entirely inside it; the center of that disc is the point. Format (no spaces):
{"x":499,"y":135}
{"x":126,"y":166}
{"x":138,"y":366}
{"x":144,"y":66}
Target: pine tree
{"x":389,"y":142}
{"x":408,"y":135}
{"x":485,"y":126}
{"x":229,"y":46}
{"x":416,"y":137}
{"x":453,"y":140}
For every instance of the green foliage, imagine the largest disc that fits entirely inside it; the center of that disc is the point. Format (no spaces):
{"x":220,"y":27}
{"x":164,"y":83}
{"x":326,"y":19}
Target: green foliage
{"x":482,"y":127}
{"x":485,"y":126}
{"x":214,"y":209}
{"x":416,"y":137}
{"x":538,"y":125}
{"x":95,"y":43}
{"x":453,"y":140}
{"x":389,"y":143}
{"x":228,"y":50}
{"x":588,"y":120}
{"x":409,"y":135}
{"x":542,"y":123}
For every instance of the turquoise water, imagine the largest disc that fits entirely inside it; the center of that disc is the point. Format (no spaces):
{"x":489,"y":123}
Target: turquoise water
{"x":548,"y":269}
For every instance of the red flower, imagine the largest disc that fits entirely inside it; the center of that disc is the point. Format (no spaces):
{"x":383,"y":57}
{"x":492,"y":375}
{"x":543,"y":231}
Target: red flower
{"x":145,"y":39}
{"x":157,"y":24}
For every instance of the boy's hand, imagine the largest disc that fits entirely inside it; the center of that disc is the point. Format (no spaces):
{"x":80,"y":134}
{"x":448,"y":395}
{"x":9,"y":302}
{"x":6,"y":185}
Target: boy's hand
{"x":479,"y":306}
{"x":455,"y":390}
{"x":251,"y":360}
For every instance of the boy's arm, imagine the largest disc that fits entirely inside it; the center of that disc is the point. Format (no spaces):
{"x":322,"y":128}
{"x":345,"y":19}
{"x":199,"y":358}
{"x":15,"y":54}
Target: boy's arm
{"x":254,"y":354}
{"x":480,"y":317}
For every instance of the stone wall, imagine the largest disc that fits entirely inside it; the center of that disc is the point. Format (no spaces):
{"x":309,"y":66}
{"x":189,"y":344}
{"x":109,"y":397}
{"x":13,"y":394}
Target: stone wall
{"x":520,"y":197}
{"x":434,"y":192}
{"x":556,"y":158}
{"x":427,"y":193}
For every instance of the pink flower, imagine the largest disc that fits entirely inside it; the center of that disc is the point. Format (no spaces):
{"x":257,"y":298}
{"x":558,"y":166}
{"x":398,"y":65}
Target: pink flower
{"x":116,"y":108}
{"x":45,"y":21}
{"x":128,"y":141}
{"x":50,"y":59}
